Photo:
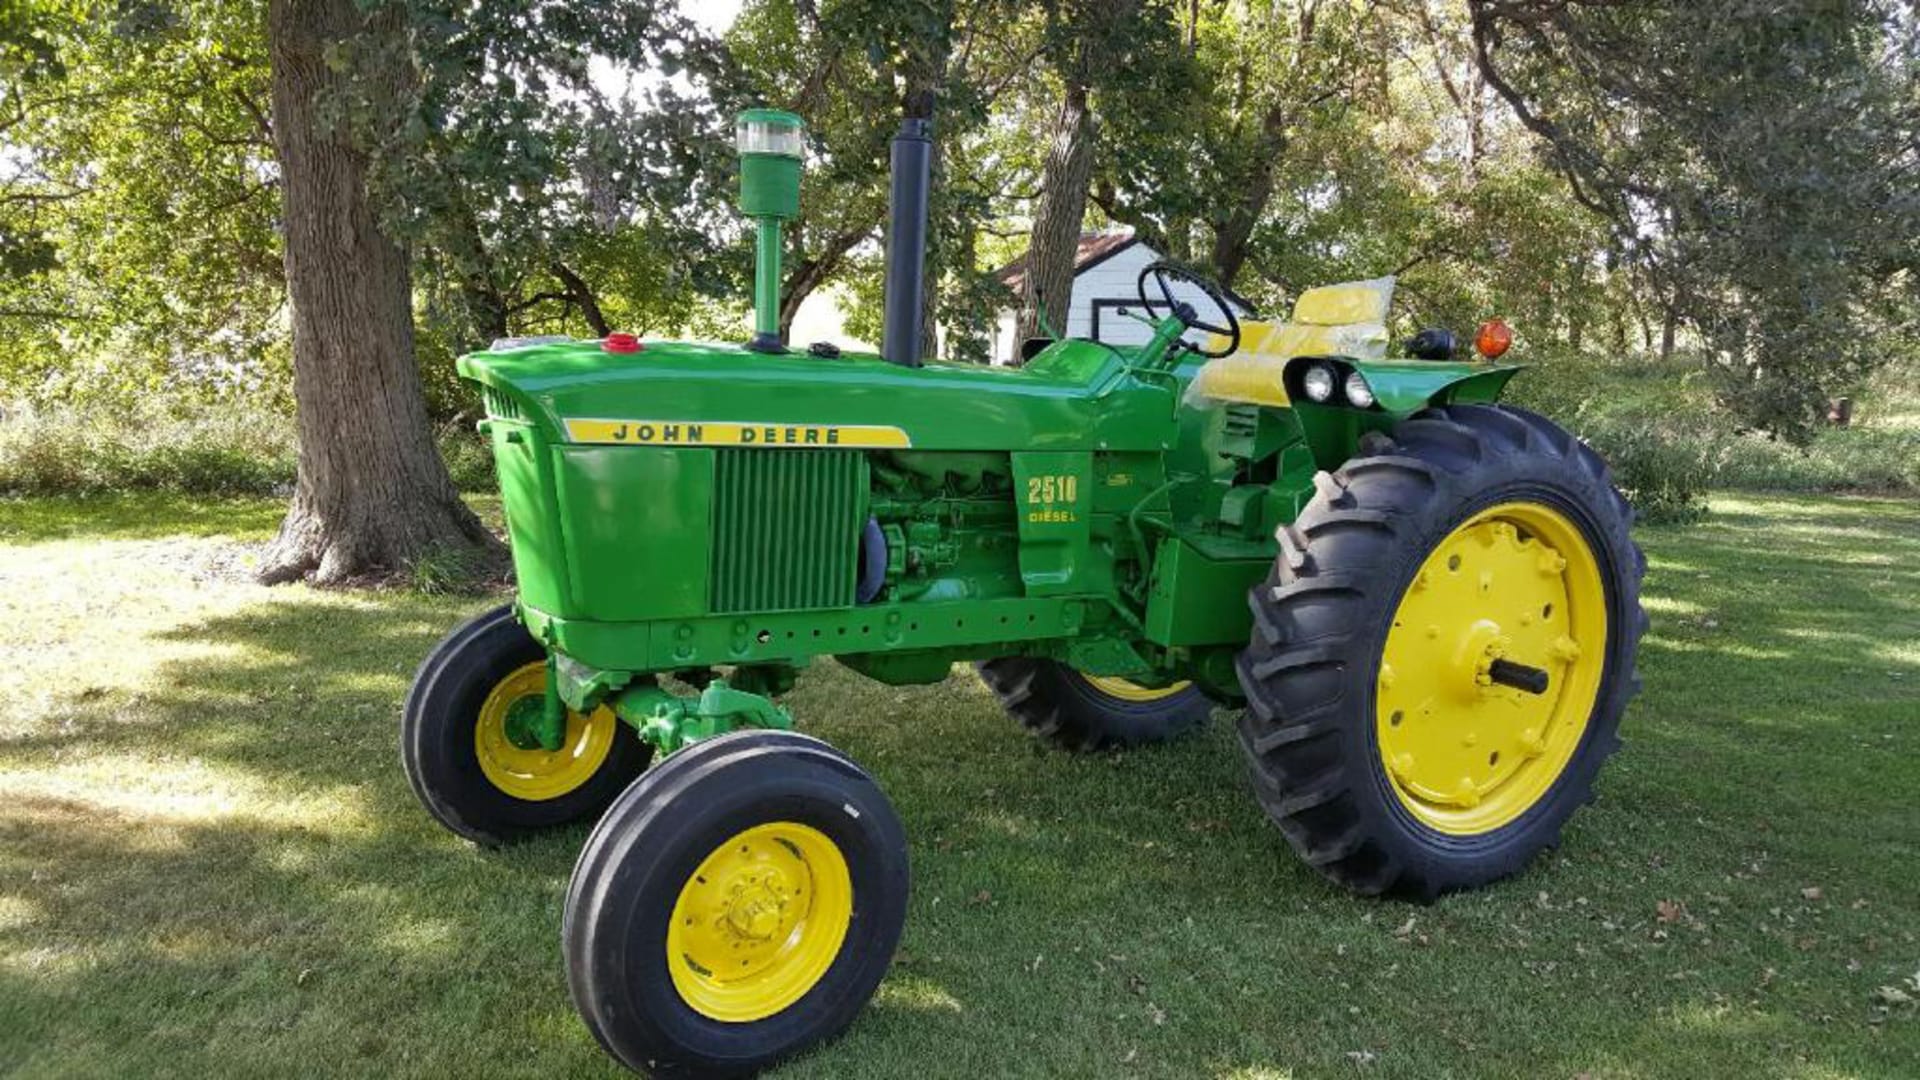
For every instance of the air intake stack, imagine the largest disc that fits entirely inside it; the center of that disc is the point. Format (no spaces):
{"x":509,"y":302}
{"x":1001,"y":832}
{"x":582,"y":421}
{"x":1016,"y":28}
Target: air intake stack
{"x":770,"y":146}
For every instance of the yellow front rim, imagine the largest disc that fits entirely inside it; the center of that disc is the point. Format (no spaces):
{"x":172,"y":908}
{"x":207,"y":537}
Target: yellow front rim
{"x":1115,"y":687}
{"x":759,"y":922}
{"x":537,"y":775}
{"x":1519,"y":582}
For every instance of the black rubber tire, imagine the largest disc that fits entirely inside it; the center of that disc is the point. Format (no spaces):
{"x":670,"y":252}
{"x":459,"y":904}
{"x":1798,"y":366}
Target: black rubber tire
{"x":1057,"y":704}
{"x":650,"y":841}
{"x":1320,"y":624}
{"x":436,"y":738}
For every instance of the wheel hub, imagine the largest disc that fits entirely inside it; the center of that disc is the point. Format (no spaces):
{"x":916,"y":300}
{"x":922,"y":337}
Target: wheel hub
{"x":758,"y":905}
{"x":759,"y":922}
{"x":507,"y":743}
{"x":523,"y":722}
{"x":1479,"y":646}
{"x":1483,"y":691}
{"x":756,"y":915}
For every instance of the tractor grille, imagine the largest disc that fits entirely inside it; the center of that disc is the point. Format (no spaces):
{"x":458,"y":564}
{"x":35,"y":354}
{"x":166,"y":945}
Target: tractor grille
{"x":500,"y":406}
{"x":786,"y":528}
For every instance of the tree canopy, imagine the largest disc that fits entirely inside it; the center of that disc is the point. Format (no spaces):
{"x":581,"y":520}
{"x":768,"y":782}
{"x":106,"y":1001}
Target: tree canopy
{"x":1729,"y":180}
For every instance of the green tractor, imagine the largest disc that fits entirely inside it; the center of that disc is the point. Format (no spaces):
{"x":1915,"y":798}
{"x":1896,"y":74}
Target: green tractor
{"x":1424,"y":605}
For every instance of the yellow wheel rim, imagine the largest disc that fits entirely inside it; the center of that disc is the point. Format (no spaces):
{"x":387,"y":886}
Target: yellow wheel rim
{"x":1519,"y":582}
{"x":759,"y":922}
{"x":1115,"y":687}
{"x":537,"y":775}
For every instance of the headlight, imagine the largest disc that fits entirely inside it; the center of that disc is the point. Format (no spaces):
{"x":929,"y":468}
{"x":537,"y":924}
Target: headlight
{"x":1318,"y":382}
{"x":1358,"y":392}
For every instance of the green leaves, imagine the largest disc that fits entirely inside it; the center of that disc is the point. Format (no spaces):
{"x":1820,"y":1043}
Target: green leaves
{"x":1755,"y":164}
{"x":1733,"y":174}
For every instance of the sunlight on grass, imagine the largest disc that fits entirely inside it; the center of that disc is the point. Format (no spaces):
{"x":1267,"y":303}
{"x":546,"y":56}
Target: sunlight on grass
{"x":1801,"y":1070}
{"x":1665,"y":605}
{"x":908,"y":992}
{"x":46,"y":963}
{"x":1003,"y":822}
{"x":16,"y":913}
{"x":1727,"y":648}
{"x":421,"y":935}
{"x":1723,"y":1019}
{"x":177,"y":792}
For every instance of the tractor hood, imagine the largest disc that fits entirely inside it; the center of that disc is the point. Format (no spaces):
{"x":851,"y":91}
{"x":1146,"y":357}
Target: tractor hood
{"x":1077,"y":396}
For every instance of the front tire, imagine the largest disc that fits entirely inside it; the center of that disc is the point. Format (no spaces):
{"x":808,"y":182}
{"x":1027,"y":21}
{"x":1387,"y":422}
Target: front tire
{"x":1083,"y":713}
{"x":461,"y":758}
{"x":1442,"y":655}
{"x":737,"y":904}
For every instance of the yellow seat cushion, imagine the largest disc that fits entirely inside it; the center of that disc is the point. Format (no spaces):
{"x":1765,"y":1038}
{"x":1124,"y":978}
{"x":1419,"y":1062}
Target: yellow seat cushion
{"x":1346,"y":303}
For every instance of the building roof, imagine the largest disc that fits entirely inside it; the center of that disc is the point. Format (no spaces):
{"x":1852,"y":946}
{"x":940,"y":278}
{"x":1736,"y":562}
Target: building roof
{"x":1092,"y":250}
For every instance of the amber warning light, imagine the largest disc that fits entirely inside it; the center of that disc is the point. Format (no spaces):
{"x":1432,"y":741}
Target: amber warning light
{"x":1493,"y":340}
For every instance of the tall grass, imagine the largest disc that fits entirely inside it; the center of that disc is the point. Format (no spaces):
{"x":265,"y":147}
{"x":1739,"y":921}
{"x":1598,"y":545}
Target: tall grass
{"x":197,"y":449}
{"x":207,"y":450}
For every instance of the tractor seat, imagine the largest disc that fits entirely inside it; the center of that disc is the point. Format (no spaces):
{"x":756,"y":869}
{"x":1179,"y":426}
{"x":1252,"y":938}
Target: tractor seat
{"x":1348,"y":319}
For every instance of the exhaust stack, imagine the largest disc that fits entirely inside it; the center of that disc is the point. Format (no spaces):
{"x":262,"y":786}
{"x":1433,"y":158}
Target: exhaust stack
{"x":907,"y":242}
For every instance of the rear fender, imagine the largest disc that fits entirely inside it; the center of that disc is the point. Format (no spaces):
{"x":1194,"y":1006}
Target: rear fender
{"x":1400,"y":389}
{"x":1404,"y":387}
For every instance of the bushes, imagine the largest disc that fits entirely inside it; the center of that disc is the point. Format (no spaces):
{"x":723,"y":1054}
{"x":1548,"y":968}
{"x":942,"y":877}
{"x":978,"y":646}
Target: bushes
{"x":1653,"y":423}
{"x":1878,"y":459}
{"x":222,"y":449}
{"x":1668,"y":439}
{"x":468,"y":456}
{"x":1664,"y":464}
{"x":211,"y":450}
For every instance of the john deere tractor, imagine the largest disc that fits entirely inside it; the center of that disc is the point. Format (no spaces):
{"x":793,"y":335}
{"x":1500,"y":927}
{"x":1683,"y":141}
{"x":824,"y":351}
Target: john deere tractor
{"x":1424,"y":606}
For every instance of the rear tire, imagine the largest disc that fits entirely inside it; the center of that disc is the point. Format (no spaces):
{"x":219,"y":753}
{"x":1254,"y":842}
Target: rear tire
{"x":771,"y":826}
{"x":1080,"y":713}
{"x":457,"y":688}
{"x":1370,"y":768}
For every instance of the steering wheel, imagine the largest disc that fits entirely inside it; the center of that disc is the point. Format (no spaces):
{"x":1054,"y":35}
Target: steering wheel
{"x":1163,"y":275}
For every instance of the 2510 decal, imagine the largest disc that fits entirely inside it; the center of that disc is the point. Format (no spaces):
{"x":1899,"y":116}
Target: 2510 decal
{"x":1056,"y":494}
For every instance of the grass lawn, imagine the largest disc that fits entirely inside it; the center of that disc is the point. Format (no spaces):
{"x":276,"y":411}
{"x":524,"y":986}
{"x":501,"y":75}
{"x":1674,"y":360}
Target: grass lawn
{"x":210,"y":863}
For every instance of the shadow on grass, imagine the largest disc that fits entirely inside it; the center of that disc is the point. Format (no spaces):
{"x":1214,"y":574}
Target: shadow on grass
{"x":237,"y":880}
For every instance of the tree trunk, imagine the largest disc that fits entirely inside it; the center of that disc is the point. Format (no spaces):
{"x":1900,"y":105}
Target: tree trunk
{"x":485,"y":308}
{"x":1234,"y":232}
{"x":811,"y":272}
{"x":372,"y":494}
{"x":1057,"y":216}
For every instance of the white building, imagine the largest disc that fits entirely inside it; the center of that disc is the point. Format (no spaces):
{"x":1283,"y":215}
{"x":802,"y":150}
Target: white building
{"x":1106,"y":275}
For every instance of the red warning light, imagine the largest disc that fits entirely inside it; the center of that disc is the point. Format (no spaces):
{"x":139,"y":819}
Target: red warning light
{"x":1494,"y":339}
